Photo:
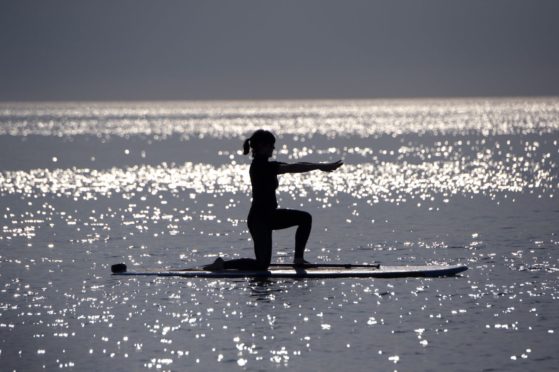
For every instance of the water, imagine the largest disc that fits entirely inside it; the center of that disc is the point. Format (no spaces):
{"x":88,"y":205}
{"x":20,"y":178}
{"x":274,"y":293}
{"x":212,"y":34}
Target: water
{"x":84,"y":186}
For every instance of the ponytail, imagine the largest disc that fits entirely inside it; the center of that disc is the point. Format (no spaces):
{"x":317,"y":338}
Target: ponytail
{"x":258,"y":138}
{"x":246,"y":146}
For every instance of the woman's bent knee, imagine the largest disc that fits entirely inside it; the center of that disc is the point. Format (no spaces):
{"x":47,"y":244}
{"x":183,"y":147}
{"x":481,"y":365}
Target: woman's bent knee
{"x":307,"y":218}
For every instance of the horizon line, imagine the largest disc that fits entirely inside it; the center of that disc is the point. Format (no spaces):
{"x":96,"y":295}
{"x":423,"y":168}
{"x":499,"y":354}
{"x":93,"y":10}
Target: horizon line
{"x":263,"y":100}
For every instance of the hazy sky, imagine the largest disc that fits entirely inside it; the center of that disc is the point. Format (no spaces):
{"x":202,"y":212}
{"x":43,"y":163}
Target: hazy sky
{"x":282,"y":49}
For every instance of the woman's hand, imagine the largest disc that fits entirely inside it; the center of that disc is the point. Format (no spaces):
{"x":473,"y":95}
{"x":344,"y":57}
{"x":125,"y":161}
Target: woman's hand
{"x":329,"y":167}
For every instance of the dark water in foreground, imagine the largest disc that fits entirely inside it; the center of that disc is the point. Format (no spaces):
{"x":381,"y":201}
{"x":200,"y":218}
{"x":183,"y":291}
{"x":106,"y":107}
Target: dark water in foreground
{"x":164,"y":185}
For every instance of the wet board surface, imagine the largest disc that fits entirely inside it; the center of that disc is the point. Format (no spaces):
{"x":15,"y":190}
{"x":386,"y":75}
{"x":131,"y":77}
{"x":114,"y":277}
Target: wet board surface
{"x":288,"y":271}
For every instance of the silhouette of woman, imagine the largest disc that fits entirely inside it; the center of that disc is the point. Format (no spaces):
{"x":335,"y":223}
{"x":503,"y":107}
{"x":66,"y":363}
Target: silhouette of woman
{"x":264,"y":215}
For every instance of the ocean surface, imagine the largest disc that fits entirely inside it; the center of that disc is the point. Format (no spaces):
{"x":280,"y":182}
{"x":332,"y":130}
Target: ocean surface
{"x":165,"y":185}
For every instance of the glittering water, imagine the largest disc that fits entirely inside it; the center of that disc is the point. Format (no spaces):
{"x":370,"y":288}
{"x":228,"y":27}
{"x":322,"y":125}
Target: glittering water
{"x":83,"y":186}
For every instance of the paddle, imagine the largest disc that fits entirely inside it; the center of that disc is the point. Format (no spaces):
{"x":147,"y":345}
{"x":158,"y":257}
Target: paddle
{"x":345,"y":266}
{"x":311,"y":266}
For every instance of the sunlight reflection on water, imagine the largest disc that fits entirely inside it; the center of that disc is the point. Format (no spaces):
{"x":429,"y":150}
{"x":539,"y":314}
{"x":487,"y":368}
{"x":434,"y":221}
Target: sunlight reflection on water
{"x":374,"y":181}
{"x":332,"y":118}
{"x":471,"y":181}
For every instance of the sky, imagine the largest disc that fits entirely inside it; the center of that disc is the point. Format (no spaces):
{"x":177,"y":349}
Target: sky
{"x":107,"y":50}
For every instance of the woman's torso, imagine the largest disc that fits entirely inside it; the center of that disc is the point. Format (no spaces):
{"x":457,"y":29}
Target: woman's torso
{"x":264,"y":181}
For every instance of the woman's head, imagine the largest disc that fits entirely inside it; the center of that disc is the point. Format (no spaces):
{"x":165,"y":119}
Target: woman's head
{"x":260,"y":141}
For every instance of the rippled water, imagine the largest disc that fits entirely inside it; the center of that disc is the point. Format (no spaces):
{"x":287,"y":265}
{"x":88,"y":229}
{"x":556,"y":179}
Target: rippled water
{"x":83,"y":186}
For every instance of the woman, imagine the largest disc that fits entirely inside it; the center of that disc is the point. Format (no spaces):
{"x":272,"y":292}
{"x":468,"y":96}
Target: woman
{"x":264,"y":215}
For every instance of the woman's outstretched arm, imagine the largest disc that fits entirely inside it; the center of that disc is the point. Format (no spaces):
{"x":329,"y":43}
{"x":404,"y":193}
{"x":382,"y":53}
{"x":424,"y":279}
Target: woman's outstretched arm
{"x":307,"y":167}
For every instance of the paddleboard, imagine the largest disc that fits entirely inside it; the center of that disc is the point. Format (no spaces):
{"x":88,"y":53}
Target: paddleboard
{"x":311,"y":271}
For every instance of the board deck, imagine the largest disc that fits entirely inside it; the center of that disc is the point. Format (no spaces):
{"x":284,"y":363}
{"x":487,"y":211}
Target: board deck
{"x":288,"y":271}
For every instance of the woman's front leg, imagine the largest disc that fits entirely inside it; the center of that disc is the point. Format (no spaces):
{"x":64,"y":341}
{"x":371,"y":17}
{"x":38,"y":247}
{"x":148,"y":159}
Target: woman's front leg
{"x":284,"y":218}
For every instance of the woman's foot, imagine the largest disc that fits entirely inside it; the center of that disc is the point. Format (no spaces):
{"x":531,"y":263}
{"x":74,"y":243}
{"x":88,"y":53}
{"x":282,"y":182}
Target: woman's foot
{"x":299,"y":261}
{"x":217,"y":265}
